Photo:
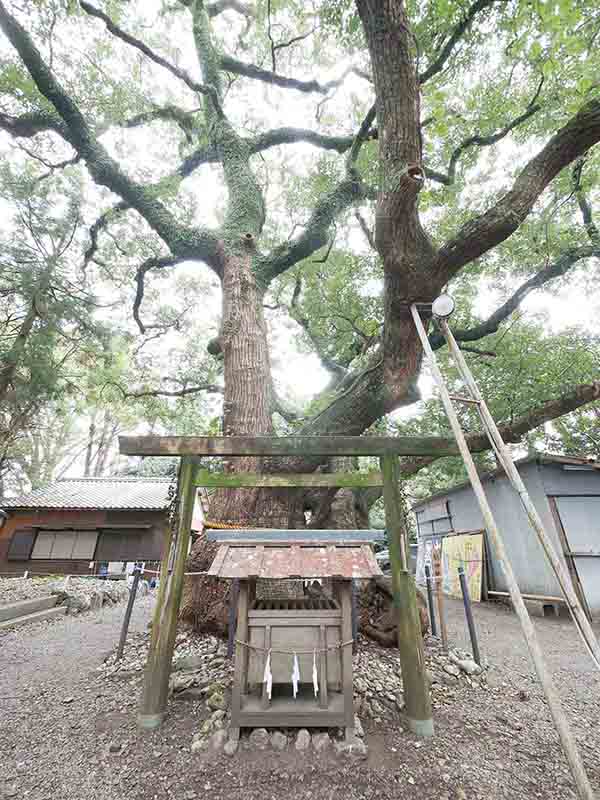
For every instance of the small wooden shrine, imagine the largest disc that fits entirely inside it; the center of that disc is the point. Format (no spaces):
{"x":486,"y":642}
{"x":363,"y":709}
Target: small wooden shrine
{"x":312,"y":633}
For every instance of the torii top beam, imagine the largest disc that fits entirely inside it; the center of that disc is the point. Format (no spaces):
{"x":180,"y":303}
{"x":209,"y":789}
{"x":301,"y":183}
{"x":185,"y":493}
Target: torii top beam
{"x":286,"y":446}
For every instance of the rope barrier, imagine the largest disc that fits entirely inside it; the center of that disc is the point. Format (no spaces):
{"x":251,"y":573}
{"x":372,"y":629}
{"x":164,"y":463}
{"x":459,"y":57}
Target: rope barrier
{"x":338,"y":646}
{"x":157,"y":572}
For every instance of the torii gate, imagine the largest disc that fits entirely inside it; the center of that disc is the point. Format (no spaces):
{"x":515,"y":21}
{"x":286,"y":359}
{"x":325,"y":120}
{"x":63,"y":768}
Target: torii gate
{"x":410,"y":643}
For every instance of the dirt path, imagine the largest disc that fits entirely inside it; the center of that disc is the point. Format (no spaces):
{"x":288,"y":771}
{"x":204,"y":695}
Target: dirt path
{"x":66,"y":734}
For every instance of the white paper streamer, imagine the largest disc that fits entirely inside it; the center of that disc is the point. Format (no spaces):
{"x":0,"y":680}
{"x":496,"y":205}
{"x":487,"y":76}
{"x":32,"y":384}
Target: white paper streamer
{"x":268,"y":677}
{"x":315,"y":675}
{"x":295,"y":675}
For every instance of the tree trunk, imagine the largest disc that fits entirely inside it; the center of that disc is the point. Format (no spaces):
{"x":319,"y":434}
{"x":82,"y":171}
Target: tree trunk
{"x":247,"y":410}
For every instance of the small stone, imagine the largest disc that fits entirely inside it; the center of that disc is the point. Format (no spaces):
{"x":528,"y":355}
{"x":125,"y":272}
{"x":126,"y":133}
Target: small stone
{"x":218,"y":740}
{"x":278,"y":741}
{"x":259,"y":738}
{"x":303,"y":740}
{"x":190,"y":663}
{"x":449,"y":680}
{"x":451,"y":669}
{"x":231,"y":746}
{"x":180,"y":682}
{"x":358,"y":728}
{"x":356,"y":748}
{"x":114,"y":747}
{"x":523,"y":695}
{"x":217,"y":701}
{"x":469,"y":666}
{"x":192,"y":693}
{"x":321,"y":742}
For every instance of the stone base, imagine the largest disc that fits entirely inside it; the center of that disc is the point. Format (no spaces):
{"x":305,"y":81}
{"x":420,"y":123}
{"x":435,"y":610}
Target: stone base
{"x":420,"y":727}
{"x":150,"y":722}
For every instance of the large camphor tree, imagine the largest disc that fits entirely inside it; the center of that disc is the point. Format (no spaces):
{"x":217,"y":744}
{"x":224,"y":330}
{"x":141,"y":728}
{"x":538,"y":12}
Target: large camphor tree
{"x":444,"y":144}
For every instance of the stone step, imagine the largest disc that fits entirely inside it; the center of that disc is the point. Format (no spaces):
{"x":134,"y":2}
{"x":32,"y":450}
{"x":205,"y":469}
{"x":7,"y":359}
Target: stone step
{"x":22,"y":607}
{"x":37,"y":616}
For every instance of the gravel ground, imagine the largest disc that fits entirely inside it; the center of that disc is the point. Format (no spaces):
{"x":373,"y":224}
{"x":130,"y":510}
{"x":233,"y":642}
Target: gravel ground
{"x":78,"y":594}
{"x":68,"y":732}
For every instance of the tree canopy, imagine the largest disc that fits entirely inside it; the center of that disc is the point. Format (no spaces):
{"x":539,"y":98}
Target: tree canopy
{"x":314,"y":168}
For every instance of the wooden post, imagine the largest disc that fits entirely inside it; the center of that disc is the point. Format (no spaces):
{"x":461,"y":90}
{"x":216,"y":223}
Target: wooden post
{"x":438,"y":589}
{"x":560,"y":721}
{"x":164,"y":628}
{"x":345,"y":595}
{"x":234,"y":591}
{"x":410,"y":642}
{"x":241,"y":660}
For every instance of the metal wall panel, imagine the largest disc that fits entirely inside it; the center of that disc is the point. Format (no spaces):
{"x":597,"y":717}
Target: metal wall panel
{"x":526,"y":555}
{"x":580,"y":517}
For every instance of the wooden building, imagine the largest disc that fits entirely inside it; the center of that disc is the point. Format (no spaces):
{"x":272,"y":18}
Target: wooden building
{"x":85,"y":526}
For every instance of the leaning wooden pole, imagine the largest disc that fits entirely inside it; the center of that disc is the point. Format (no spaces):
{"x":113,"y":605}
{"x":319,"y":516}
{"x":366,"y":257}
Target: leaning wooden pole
{"x":577,"y":612}
{"x":410,"y":641}
{"x":164,"y":628}
{"x":562,"y":726}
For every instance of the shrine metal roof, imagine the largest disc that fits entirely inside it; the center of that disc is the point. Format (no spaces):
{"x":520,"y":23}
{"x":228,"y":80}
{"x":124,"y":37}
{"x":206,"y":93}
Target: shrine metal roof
{"x":294,"y":560}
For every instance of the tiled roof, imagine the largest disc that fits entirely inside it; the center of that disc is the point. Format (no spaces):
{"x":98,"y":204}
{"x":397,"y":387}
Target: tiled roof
{"x":96,"y":493}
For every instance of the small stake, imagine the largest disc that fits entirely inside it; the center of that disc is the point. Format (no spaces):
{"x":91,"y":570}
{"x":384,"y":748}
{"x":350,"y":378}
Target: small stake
{"x":430,"y":600}
{"x":128,"y":610}
{"x":469,"y":614}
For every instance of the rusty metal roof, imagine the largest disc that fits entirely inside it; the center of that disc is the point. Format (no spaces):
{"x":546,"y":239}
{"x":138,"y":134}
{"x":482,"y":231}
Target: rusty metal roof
{"x":294,"y":561}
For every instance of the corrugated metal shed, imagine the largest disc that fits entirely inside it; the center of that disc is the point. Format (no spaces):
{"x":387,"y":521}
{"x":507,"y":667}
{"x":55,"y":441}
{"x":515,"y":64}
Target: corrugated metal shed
{"x":294,"y":561}
{"x":115,"y":493}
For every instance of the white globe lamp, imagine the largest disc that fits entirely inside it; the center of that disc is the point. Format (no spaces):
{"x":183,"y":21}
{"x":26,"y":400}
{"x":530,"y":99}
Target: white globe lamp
{"x":443,"y":306}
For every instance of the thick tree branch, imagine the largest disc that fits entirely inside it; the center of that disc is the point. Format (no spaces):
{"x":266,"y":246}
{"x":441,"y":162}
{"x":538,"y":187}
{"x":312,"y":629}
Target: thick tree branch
{"x":153,"y":262}
{"x":483,"y":233}
{"x":31,"y":123}
{"x":99,"y":225}
{"x":337,"y":371}
{"x":236,"y":67}
{"x":584,"y":206}
{"x":216,"y":8}
{"x":183,"y":241}
{"x":184,"y":119}
{"x":195,"y":86}
{"x":513,"y":433}
{"x":351,"y":190}
{"x":559,"y":267}
{"x":315,"y":235}
{"x":210,"y":388}
{"x":477,"y":140}
{"x":454,"y":38}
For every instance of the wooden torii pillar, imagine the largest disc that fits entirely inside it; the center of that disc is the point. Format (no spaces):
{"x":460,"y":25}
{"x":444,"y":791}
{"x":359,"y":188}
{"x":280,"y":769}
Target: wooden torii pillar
{"x":410,"y":643}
